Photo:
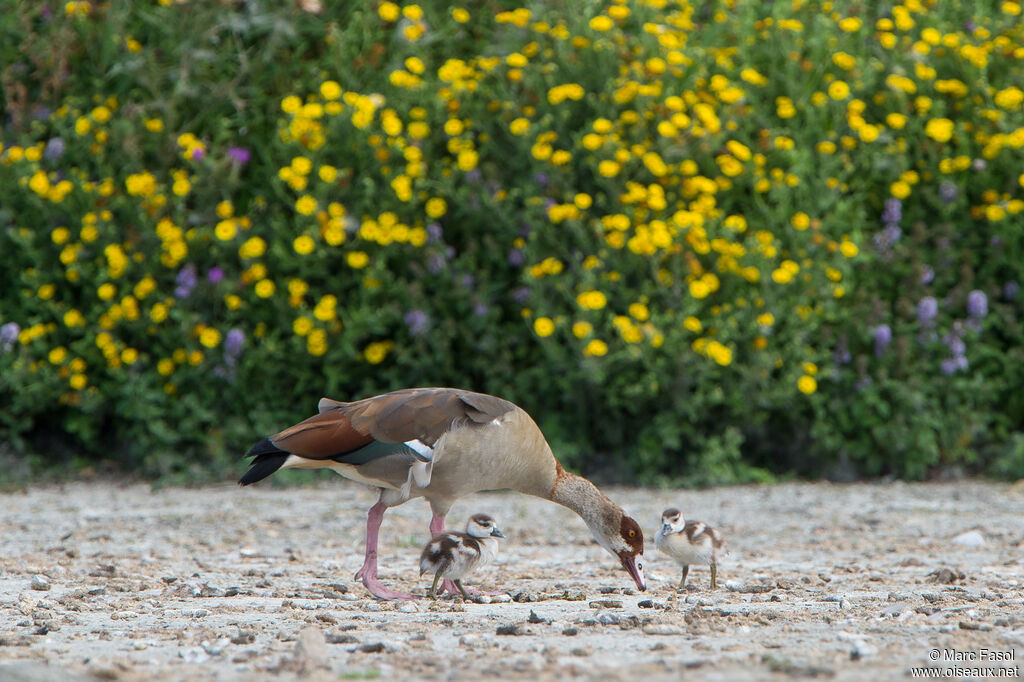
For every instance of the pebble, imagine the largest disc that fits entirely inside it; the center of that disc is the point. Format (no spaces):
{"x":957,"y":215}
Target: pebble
{"x":971,"y":625}
{"x":608,"y":619}
{"x":661,"y":629}
{"x":340,"y":638}
{"x":195,"y":613}
{"x":971,"y":538}
{"x":407,"y":607}
{"x":311,"y":649}
{"x":571,"y":632}
{"x":515,"y":629}
{"x":215,"y":648}
{"x":584,"y":651}
{"x":606,"y":604}
{"x":40,"y":582}
{"x":243,"y":637}
{"x":373,"y":606}
{"x":534,"y":618}
{"x":374,"y":648}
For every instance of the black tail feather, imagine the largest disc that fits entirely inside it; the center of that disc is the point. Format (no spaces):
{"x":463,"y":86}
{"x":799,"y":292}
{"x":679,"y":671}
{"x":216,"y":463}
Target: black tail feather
{"x":264,"y":447}
{"x":262,"y":466}
{"x":269,"y":459}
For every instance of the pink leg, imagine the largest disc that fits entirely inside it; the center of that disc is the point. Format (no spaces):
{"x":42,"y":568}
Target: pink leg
{"x":368,"y":572}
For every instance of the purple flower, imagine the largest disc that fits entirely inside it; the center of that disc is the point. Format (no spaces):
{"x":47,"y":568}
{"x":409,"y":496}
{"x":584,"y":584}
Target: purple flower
{"x":434,"y":232}
{"x":54,"y":149}
{"x":541,"y":179}
{"x":215,"y":275}
{"x":927,"y":274}
{"x":9,"y":334}
{"x":948,"y":366}
{"x":977,"y":304}
{"x":197,"y":154}
{"x":186,"y":281}
{"x":467,"y":281}
{"x":893,"y":212}
{"x":233,"y":343}
{"x":417,"y":321}
{"x":1010,"y":290}
{"x":521,"y":294}
{"x":480,"y":309}
{"x":948,"y":191}
{"x":516,"y":258}
{"x":436,"y":262}
{"x":927,"y":309}
{"x":956,"y":346}
{"x":841,"y":354}
{"x":883,"y":336}
{"x":239,"y":155}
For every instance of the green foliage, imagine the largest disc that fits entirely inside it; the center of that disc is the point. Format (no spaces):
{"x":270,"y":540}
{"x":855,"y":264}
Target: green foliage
{"x":709,"y":243}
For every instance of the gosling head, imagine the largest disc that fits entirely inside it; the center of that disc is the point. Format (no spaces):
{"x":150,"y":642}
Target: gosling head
{"x":672,"y":521}
{"x":483,"y":526}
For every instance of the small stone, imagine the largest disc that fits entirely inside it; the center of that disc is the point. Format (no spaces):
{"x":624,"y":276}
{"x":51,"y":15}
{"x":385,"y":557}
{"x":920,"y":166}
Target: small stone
{"x":169,"y":579}
{"x":571,"y":632}
{"x":971,"y":538}
{"x":521,"y":597}
{"x":340,"y":638}
{"x":195,"y":613}
{"x":194,"y":655}
{"x":645,"y":604}
{"x":407,"y":607}
{"x":893,"y":611}
{"x":608,"y":619}
{"x":502,"y":598}
{"x":946,"y":576}
{"x":373,"y":606}
{"x":972,"y":625}
{"x":606,"y":604}
{"x":243,"y":637}
{"x":40,"y":582}
{"x":534,"y":618}
{"x":216,"y":648}
{"x":481,"y":599}
{"x":583,"y":651}
{"x":374,"y":648}
{"x":311,"y":649}
{"x":661,"y":629}
{"x":515,"y":629}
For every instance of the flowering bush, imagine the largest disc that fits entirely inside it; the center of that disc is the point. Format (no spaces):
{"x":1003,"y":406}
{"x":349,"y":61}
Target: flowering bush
{"x":708,"y":241}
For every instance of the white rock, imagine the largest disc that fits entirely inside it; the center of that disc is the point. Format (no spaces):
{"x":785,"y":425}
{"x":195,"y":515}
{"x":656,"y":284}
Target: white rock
{"x":971,"y":538}
{"x":40,"y":582}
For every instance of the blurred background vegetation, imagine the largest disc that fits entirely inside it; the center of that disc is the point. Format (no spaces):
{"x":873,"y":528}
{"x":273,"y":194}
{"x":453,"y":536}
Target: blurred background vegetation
{"x":703,"y":242}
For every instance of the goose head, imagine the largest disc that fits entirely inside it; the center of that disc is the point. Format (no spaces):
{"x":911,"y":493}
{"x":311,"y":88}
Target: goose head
{"x":625,"y":541}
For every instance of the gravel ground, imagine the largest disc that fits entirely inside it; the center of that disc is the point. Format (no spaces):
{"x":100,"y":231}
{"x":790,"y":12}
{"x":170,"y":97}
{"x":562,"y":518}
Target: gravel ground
{"x":850,"y":582}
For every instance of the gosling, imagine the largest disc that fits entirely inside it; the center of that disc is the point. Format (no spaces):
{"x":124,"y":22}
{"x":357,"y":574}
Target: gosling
{"x":689,"y":542}
{"x":452,"y":555}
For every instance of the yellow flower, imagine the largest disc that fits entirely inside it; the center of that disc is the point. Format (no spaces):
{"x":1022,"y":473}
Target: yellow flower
{"x":105,"y":292}
{"x":595,"y":348}
{"x":436,"y":207}
{"x":519,"y":126}
{"x":330,"y":90}
{"x":302,"y":326}
{"x":838,"y":90}
{"x":801,"y":221}
{"x":581,"y":329}
{"x":77,"y":381}
{"x":129,"y":356}
{"x":377,"y":351}
{"x":939,"y":129}
{"x":639,"y":311}
{"x":899,"y":189}
{"x":305,"y":205}
{"x":592,"y":300}
{"x":850,"y":24}
{"x":265,"y":288}
{"x":807,"y":384}
{"x":57,"y":355}
{"x":718,"y":352}
{"x":316,"y":342}
{"x":543,"y":326}
{"x":699,"y":288}
{"x":209,"y":337}
{"x":608,"y":168}
{"x":328,"y":173}
{"x":226,"y":229}
{"x":848,"y":248}
{"x":303,"y":244}
{"x":158,"y":313}
{"x":460,"y":15}
{"x":254,"y":247}
{"x":601,"y":23}
{"x":357,"y":259}
{"x":165,"y":367}
{"x":693,"y":324}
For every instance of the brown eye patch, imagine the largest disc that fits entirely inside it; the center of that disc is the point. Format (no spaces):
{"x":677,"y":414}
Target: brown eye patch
{"x":630,"y":531}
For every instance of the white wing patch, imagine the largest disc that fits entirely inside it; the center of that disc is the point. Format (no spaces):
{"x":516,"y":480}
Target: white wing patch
{"x":424,"y":451}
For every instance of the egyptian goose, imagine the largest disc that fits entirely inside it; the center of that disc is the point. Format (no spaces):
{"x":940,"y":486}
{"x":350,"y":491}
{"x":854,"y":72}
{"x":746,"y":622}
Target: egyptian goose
{"x":453,"y":555}
{"x":689,"y":542}
{"x":441,"y":444}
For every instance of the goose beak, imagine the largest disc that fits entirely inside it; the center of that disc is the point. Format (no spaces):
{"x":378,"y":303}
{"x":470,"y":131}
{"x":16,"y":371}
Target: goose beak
{"x":496,"y":533}
{"x":635,"y":567}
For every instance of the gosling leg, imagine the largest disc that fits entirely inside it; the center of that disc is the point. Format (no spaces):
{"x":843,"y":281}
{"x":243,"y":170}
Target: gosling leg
{"x":465,"y":595}
{"x":433,"y":588}
{"x":682,"y":582}
{"x":714,"y":576}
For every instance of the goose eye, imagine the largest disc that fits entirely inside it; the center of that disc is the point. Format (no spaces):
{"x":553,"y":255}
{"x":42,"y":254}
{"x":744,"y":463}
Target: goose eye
{"x":632,"y":533}
{"x":639,"y":565}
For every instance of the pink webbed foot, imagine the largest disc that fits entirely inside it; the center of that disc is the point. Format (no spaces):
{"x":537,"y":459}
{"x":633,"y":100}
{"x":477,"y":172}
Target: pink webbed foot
{"x":378,"y":590}
{"x":452,"y":589}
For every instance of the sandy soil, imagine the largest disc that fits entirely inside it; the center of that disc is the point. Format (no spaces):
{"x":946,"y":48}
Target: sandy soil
{"x":100,"y":581}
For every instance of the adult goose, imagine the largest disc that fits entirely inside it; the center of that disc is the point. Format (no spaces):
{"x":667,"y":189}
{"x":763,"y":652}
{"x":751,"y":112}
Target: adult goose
{"x":441,"y":444}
